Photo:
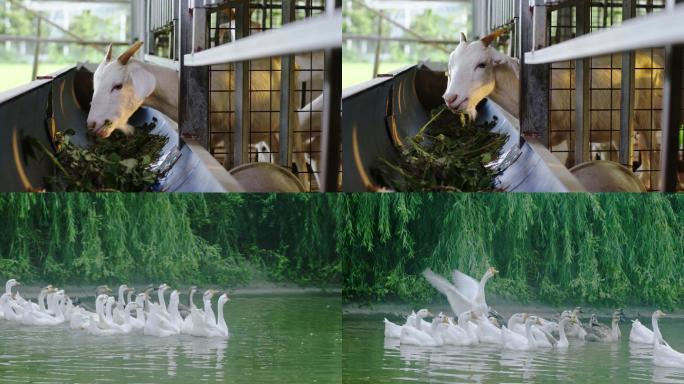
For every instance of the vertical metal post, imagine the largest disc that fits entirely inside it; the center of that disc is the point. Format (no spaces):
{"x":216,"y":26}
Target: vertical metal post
{"x":534,"y":79}
{"x":378,"y":45}
{"x":582,"y":90}
{"x":193,"y":98}
{"x":242,"y":118}
{"x":672,"y":112}
{"x":36,"y":50}
{"x":627,"y":94}
{"x":332,"y":109}
{"x":287,"y":95}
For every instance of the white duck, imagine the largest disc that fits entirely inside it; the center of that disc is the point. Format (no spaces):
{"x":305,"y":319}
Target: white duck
{"x":515,"y":341}
{"x":663,"y":354}
{"x":640,"y":334}
{"x":466,"y":294}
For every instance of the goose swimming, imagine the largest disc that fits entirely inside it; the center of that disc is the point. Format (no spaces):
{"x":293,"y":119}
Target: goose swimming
{"x":663,"y":354}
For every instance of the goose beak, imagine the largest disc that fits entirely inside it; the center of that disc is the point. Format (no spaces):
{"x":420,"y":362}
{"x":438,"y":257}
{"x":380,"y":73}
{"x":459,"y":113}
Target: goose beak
{"x":430,"y":314}
{"x":493,"y":270}
{"x":131,"y":289}
{"x":524,"y":316}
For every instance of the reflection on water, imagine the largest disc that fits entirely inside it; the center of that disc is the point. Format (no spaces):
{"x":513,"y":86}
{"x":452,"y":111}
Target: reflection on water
{"x":273,"y":339}
{"x":369,"y":357}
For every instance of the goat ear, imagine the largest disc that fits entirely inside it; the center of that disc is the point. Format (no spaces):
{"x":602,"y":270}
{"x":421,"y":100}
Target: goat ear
{"x":108,"y":55}
{"x":143,"y":82}
{"x":499,"y":58}
{"x":463,"y":38}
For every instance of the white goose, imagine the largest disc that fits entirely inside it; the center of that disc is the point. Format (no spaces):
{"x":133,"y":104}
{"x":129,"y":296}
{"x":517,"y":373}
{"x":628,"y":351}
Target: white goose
{"x":202,"y":323}
{"x":118,"y":312}
{"x":517,"y":324}
{"x":79,"y":319}
{"x":463,"y":333}
{"x":100,"y":327}
{"x":487,"y":332}
{"x":423,"y":338}
{"x":663,"y":354}
{"x":563,"y":339}
{"x":393,"y":331}
{"x":515,"y":341}
{"x":466,"y":294}
{"x":174,"y":315}
{"x":139,"y":321}
{"x":17,"y":297}
{"x":158,"y":322}
{"x":640,"y":334}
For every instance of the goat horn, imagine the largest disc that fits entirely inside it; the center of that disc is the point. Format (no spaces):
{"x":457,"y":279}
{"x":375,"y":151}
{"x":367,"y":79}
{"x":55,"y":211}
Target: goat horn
{"x":463,"y":38}
{"x":489,"y":38}
{"x":108,"y":56}
{"x":123,"y":59}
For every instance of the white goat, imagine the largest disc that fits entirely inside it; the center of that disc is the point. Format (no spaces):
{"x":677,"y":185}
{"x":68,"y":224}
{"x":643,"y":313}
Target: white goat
{"x":121,"y":86}
{"x":476,"y":71}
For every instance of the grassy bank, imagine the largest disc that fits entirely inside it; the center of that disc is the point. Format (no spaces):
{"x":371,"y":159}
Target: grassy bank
{"x":14,"y":75}
{"x":585,"y":249}
{"x":354,"y":73}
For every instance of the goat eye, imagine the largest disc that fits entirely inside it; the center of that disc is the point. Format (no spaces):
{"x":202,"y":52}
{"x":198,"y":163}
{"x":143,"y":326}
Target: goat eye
{"x":481,"y":66}
{"x":117,"y":87}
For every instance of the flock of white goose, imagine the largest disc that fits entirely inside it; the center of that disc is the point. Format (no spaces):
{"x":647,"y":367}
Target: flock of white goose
{"x":476,"y":323}
{"x":116,"y":317}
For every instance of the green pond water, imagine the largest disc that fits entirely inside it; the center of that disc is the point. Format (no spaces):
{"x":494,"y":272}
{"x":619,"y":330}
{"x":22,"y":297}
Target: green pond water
{"x":274,"y":339}
{"x":368,"y":357}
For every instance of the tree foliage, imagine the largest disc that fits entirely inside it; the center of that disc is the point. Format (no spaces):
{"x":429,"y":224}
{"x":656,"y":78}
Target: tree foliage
{"x":610,"y":249}
{"x":182,"y":238}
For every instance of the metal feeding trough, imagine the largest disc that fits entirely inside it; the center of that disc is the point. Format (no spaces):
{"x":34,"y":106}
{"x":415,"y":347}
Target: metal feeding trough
{"x":61,"y":101}
{"x":382,"y":112}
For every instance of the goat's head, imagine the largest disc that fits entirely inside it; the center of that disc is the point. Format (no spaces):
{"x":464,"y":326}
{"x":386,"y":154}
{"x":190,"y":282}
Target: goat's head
{"x":471,"y":73}
{"x":120,"y":87}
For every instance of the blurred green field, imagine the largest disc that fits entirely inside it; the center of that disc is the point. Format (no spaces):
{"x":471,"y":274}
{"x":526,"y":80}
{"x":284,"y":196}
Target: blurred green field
{"x":354,"y":73}
{"x":13,"y":75}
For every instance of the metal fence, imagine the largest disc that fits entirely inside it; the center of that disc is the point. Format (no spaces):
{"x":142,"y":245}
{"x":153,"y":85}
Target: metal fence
{"x":611,"y":86}
{"x":603,"y":92}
